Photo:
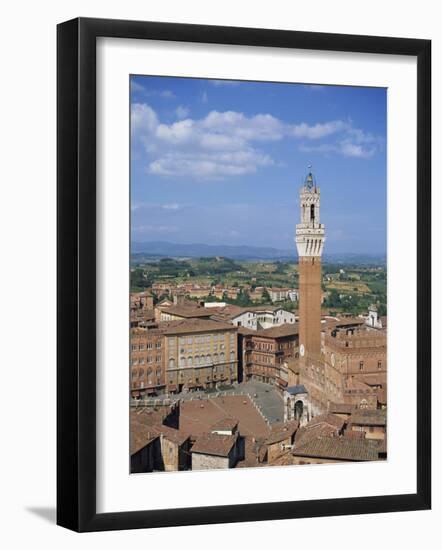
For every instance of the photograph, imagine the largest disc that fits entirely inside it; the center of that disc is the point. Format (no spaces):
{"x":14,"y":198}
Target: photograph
{"x":258,"y":274}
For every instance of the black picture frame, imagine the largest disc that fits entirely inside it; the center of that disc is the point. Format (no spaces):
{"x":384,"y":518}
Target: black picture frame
{"x":76,"y":274}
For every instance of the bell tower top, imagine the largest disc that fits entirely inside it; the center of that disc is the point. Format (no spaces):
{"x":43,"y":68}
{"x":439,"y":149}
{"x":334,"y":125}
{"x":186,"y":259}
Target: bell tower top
{"x":309,"y":181}
{"x":310,"y":232}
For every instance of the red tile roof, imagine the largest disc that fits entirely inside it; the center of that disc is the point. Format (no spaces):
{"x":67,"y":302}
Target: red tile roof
{"x":339,"y":448}
{"x":214,"y":444}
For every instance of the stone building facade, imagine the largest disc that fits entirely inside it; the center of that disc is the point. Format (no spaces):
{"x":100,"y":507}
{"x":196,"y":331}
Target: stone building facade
{"x":266,"y":351}
{"x":147,"y":361}
{"x":199,"y":353}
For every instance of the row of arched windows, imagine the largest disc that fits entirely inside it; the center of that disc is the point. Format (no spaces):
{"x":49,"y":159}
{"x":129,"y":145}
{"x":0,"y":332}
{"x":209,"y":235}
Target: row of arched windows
{"x":201,"y":360}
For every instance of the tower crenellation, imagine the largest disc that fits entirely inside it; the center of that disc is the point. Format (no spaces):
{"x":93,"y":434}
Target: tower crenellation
{"x":310,"y":234}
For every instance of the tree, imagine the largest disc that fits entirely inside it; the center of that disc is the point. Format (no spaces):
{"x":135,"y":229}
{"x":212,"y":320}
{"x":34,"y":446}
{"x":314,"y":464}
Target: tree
{"x":266,"y":297}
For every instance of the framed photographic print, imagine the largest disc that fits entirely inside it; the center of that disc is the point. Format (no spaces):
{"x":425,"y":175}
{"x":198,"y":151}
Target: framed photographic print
{"x":243,"y":274}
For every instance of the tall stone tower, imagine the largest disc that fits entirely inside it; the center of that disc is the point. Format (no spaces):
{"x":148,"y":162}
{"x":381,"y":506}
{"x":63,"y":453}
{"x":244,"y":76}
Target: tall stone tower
{"x":310,"y":242}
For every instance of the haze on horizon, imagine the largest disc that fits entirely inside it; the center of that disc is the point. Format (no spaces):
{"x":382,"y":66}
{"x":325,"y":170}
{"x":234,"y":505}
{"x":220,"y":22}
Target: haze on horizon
{"x":221,"y":162}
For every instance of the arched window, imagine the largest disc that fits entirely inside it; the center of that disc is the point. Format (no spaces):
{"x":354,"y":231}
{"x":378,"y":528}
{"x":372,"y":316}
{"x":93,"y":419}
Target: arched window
{"x":182,"y":362}
{"x":232,"y":356}
{"x":197,"y":360}
{"x":215,"y":358}
{"x":312,"y":212}
{"x":299,"y":408}
{"x":222,"y":357}
{"x":189,"y":361}
{"x":171,"y":363}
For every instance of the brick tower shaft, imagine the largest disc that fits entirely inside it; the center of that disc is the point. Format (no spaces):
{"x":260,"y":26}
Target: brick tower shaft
{"x":310,"y":304}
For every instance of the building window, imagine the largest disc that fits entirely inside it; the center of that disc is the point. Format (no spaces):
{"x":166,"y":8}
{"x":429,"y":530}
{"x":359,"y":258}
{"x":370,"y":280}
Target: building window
{"x":361,"y":365}
{"x":379,"y":364}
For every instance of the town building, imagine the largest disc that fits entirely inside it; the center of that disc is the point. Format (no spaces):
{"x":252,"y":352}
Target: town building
{"x":199,"y":353}
{"x":147,"y":370}
{"x":279,"y":294}
{"x":255,"y":317}
{"x":373,"y":423}
{"x":323,"y":450}
{"x":180,"y":312}
{"x":212,"y":451}
{"x":265,"y":351}
{"x":280,"y":439}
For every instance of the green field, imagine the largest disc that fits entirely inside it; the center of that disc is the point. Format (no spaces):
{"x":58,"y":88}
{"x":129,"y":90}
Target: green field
{"x":349,"y":288}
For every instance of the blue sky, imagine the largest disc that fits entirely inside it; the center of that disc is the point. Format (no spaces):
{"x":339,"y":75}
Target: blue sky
{"x":221,"y":162}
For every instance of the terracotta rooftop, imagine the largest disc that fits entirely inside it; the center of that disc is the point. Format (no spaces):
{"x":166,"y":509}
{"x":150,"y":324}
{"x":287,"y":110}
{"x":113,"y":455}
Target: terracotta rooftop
{"x":282,"y":431}
{"x":367,"y":417}
{"x":244,"y":331}
{"x":330,"y":419}
{"x":285,"y":459}
{"x":320,"y":426}
{"x":188,"y":312}
{"x":339,"y":448}
{"x":287,"y":329}
{"x":255,"y":453}
{"x":341,"y":408}
{"x":176,"y":436}
{"x":227,"y":423}
{"x":141,"y":428}
{"x":344,"y":322}
{"x":214,"y":444}
{"x":187,"y":326}
{"x":198,"y":416}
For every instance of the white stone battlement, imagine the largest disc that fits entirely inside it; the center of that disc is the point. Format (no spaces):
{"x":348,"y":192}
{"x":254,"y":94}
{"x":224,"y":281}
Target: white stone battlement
{"x":310,"y":233}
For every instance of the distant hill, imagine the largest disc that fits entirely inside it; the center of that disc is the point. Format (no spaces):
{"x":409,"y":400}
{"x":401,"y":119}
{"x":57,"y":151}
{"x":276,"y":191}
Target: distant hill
{"x":161,"y":249}
{"x":197,"y":250}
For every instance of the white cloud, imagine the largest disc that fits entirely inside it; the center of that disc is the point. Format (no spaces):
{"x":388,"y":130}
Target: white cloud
{"x":149,"y":92}
{"x":315,"y":87}
{"x":181,"y":112}
{"x":353,"y":150}
{"x":224,"y":82}
{"x":154,"y":228}
{"x":319,"y":131}
{"x":172,"y":206}
{"x":143,"y":119}
{"x":223,"y":144}
{"x":209,"y":165}
{"x":345,"y":148}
